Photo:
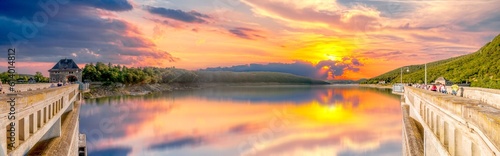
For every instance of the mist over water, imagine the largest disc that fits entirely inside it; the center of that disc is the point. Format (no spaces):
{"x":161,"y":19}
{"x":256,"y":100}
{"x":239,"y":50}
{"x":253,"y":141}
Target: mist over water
{"x":249,"y":120}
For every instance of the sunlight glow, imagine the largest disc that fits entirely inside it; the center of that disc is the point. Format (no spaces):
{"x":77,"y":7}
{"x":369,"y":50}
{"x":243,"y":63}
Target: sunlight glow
{"x":333,"y":113}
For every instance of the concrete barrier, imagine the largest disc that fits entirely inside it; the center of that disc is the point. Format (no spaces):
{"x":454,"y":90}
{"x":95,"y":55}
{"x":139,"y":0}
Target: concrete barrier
{"x":26,"y":87}
{"x":37,"y":117}
{"x":453,"y":125}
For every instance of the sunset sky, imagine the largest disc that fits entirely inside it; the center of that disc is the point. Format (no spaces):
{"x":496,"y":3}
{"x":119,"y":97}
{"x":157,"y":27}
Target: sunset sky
{"x":347,"y":39}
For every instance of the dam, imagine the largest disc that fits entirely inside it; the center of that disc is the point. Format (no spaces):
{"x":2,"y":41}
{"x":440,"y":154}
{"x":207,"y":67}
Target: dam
{"x":447,"y":125}
{"x":45,"y":123}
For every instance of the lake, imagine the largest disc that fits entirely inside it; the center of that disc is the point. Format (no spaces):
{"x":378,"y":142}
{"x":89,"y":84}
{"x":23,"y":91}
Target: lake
{"x":248,"y":120}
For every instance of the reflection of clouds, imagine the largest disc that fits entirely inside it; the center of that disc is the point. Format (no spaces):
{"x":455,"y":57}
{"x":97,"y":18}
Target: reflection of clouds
{"x":280,"y":94}
{"x":358,"y":122}
{"x":326,"y":119}
{"x":118,"y":151}
{"x":391,"y":148}
{"x":117,"y":118}
{"x":246,"y":128}
{"x":177,"y":143}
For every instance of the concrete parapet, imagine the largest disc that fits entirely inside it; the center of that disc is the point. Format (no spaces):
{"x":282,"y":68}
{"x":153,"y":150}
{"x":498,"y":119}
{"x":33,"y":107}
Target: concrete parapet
{"x":37,"y":117}
{"x":461,"y":125}
{"x":485,"y":95}
{"x":26,"y":87}
{"x":67,"y":144}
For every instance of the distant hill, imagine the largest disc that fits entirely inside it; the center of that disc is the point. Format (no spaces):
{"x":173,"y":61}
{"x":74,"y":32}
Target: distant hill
{"x":346,"y":81}
{"x":253,"y":77}
{"x":481,"y":69}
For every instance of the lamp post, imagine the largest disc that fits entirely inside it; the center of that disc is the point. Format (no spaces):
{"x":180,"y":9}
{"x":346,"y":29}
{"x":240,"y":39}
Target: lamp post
{"x":425,"y":74}
{"x":407,"y":70}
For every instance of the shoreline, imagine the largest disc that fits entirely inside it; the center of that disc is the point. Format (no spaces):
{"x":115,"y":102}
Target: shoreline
{"x":134,"y":90}
{"x":144,"y":89}
{"x":375,"y":86}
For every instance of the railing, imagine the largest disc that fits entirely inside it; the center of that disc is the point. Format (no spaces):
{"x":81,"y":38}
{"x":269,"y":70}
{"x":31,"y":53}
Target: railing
{"x":36,"y":112}
{"x":398,"y":88}
{"x":84,"y":86}
{"x":454,"y":124}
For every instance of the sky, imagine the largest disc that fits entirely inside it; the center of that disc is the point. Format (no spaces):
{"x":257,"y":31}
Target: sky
{"x":325,"y":39}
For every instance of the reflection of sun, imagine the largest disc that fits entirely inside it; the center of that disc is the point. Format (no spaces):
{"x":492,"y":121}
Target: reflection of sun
{"x":335,"y":113}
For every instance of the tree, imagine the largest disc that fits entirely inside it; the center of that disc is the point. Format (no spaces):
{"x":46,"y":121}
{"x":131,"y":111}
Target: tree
{"x":38,"y":77}
{"x":90,"y":73}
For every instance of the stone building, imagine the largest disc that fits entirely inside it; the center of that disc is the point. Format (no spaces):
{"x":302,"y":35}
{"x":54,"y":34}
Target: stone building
{"x":441,"y":80}
{"x":66,"y":70}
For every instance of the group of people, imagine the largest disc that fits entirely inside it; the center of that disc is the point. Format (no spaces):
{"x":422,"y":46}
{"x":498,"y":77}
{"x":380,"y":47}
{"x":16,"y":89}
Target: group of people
{"x":441,"y":88}
{"x":59,"y":84}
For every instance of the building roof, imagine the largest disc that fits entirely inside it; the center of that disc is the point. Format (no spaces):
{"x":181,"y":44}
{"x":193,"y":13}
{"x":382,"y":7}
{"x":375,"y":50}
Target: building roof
{"x":65,"y":64}
{"x":440,"y":79}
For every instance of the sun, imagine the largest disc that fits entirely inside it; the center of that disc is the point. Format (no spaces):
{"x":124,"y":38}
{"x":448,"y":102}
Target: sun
{"x":331,"y":57}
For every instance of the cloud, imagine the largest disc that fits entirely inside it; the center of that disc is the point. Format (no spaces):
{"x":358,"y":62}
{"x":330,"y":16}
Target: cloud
{"x":177,"y":143}
{"x":20,"y":9}
{"x":92,"y":38}
{"x":435,"y":38}
{"x":323,"y":70}
{"x":113,"y":5}
{"x":246,"y":128}
{"x":358,"y":18}
{"x":383,"y":53}
{"x":169,"y":23}
{"x":245,"y":33}
{"x":189,"y":17}
{"x":392,"y":9}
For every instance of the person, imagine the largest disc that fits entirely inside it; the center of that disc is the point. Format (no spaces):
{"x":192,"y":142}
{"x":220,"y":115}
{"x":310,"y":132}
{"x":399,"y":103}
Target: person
{"x":443,"y":89}
{"x":454,"y":89}
{"x":434,"y":88}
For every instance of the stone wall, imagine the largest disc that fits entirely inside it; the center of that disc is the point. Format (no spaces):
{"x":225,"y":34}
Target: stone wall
{"x":61,"y":76}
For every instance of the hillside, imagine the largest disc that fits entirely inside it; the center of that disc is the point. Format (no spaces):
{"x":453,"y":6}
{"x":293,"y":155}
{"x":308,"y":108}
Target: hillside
{"x":253,"y":77}
{"x":481,"y":69}
{"x":152,"y":75}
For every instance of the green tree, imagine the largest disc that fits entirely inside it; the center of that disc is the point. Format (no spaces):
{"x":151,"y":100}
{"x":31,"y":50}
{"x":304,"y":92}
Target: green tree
{"x":38,"y":77}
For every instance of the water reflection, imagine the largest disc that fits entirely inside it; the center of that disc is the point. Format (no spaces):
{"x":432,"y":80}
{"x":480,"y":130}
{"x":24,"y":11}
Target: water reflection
{"x":272,"y":120}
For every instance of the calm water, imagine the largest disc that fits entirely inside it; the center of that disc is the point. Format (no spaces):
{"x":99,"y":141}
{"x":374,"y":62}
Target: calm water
{"x":272,"y":120}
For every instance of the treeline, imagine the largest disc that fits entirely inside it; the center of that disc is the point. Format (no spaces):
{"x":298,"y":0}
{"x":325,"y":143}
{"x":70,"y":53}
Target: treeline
{"x":149,"y":75}
{"x":38,"y":77}
{"x":480,"y":69}
{"x":142,"y":75}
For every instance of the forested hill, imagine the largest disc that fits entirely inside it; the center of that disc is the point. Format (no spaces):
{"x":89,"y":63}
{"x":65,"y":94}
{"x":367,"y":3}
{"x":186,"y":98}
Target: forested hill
{"x":152,"y":75}
{"x":481,"y":69}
